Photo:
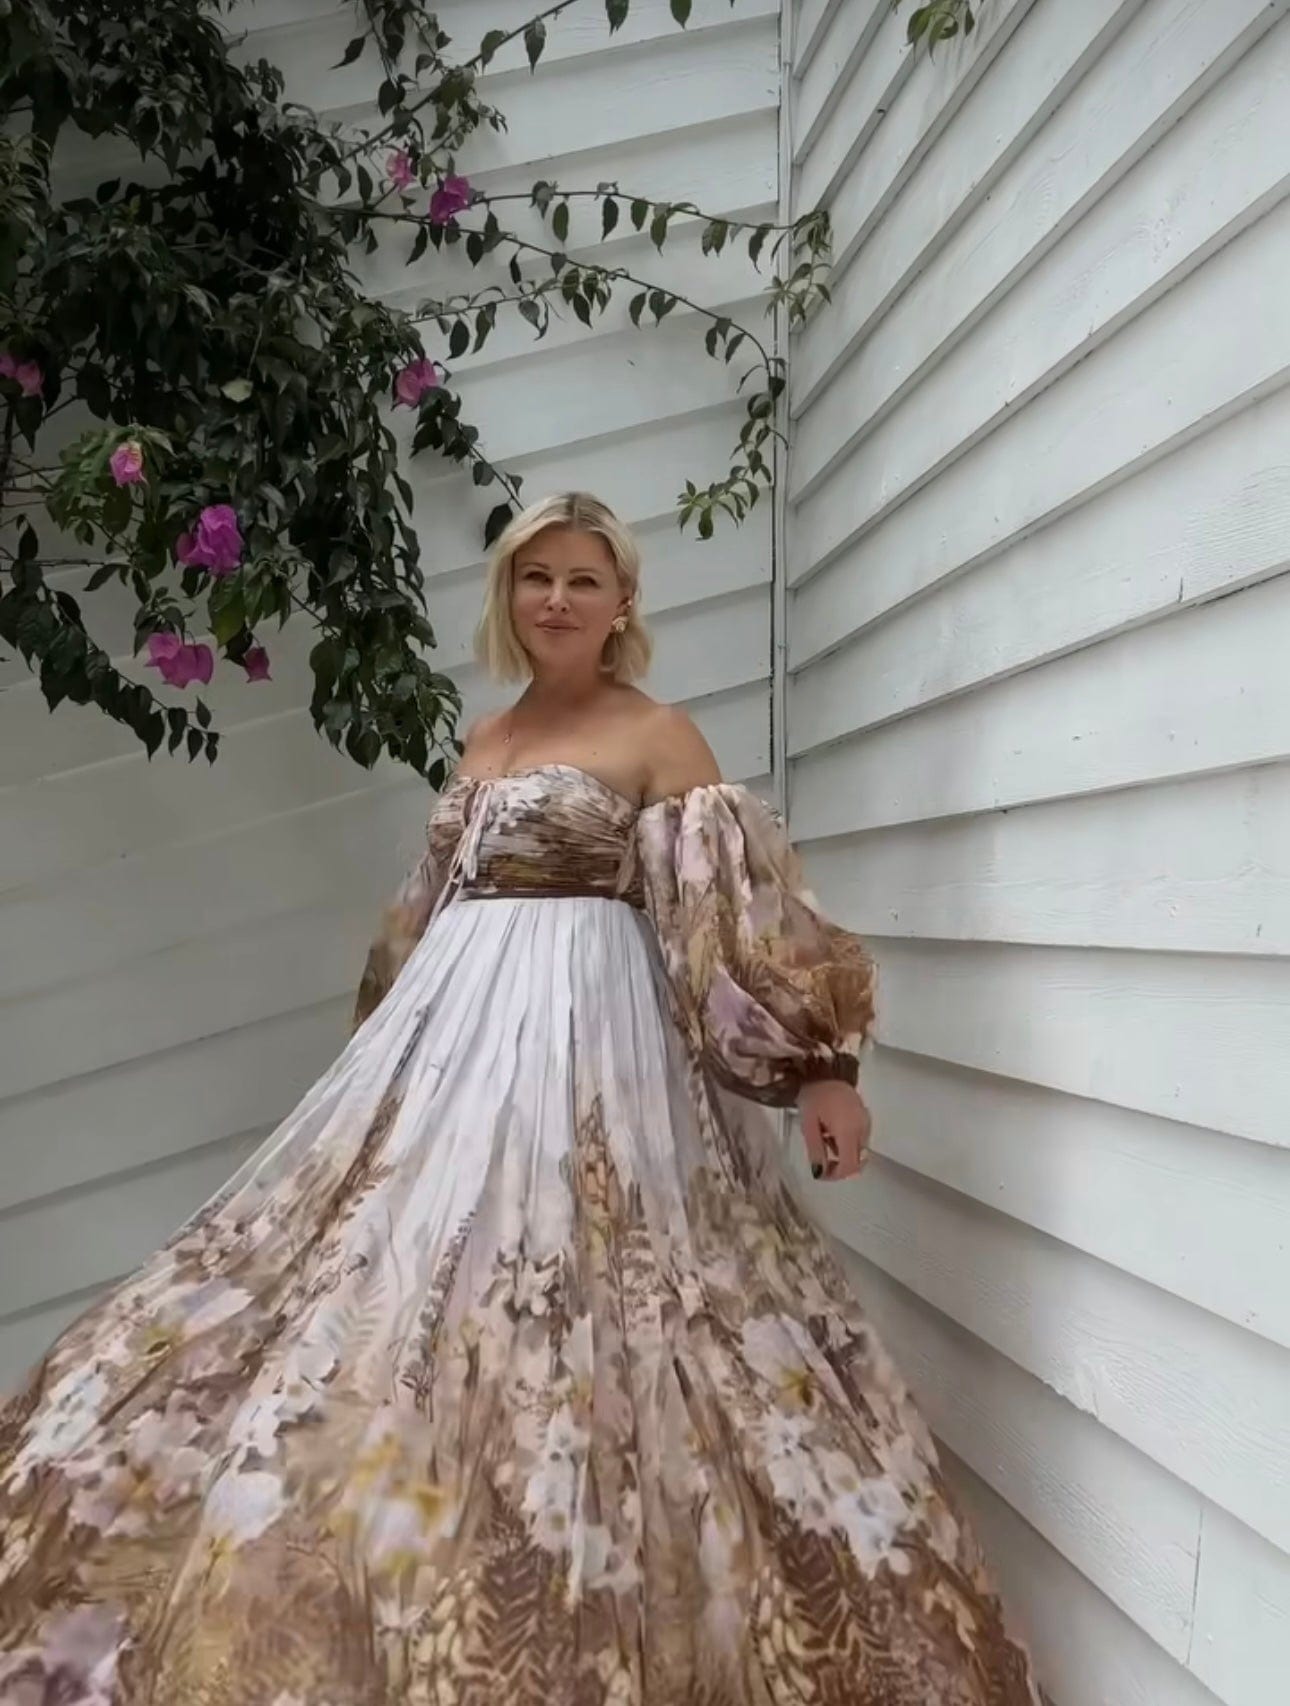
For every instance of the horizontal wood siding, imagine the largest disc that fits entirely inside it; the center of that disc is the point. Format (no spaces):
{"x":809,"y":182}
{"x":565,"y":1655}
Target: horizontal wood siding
{"x":178,"y":948}
{"x":1038,"y":718}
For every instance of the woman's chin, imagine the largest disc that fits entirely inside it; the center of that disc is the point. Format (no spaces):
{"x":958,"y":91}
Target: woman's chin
{"x":566,"y":649}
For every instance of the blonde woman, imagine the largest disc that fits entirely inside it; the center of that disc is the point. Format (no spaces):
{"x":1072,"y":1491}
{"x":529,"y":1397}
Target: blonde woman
{"x":506,"y":1371}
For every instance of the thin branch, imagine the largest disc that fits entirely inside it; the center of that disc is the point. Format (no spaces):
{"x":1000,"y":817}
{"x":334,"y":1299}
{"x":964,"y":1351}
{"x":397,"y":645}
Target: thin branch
{"x":485,"y":199}
{"x":476,"y":62}
{"x":622,"y":276}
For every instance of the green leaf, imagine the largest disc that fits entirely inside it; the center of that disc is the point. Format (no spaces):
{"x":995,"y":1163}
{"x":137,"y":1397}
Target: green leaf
{"x":497,"y":522}
{"x":609,"y":217}
{"x":352,"y":52}
{"x":238,"y":390}
{"x":535,"y":41}
{"x":459,"y":342}
{"x":640,"y":213}
{"x":560,"y":222}
{"x":681,"y":10}
{"x":93,"y":388}
{"x":228,"y":616}
{"x":658,"y":228}
{"x":492,"y":43}
{"x":617,"y":11}
{"x":101,"y":576}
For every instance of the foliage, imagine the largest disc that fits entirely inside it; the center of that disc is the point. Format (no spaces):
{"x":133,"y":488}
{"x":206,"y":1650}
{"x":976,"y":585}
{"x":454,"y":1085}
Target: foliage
{"x":196,"y":387}
{"x":938,"y":21}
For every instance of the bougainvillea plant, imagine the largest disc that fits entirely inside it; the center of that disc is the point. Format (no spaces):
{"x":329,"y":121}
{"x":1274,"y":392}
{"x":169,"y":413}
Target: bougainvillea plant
{"x":198,"y":395}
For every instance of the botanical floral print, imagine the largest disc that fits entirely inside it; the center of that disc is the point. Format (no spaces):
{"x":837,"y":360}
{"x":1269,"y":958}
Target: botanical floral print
{"x":770,"y":993}
{"x":507,"y":1370}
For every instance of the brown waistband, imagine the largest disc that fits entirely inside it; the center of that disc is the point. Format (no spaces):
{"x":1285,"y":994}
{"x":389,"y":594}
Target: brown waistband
{"x":550,"y":892}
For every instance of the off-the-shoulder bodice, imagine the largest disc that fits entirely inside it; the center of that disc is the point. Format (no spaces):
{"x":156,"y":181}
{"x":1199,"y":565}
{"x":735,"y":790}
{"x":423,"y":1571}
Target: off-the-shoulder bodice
{"x":552,"y":830}
{"x":767,"y":992}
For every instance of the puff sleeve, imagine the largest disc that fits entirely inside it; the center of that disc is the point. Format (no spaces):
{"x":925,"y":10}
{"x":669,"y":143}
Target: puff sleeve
{"x":403,"y":923}
{"x":769,"y":994}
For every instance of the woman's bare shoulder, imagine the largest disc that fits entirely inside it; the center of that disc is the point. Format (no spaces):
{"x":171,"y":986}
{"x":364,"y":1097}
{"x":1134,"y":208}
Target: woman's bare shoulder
{"x":676,"y":755}
{"x":481,"y":734}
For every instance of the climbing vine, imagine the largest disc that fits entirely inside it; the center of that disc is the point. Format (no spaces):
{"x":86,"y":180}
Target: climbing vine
{"x":198,"y":395}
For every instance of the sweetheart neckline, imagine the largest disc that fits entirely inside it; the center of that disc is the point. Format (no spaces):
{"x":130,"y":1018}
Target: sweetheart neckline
{"x":541,"y":769}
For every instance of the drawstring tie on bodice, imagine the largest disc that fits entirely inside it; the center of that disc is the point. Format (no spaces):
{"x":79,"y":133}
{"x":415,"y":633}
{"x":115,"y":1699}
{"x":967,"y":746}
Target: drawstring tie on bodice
{"x":464,"y":866}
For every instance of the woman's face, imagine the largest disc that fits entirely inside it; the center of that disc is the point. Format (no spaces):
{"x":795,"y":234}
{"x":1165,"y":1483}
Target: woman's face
{"x":565,"y":594}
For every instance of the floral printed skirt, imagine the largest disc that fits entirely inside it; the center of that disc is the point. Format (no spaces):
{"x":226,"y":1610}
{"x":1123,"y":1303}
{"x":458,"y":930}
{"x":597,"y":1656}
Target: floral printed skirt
{"x":504,"y":1373}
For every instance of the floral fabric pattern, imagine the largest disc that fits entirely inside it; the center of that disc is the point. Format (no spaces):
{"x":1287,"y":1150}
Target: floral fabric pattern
{"x":507,"y":1370}
{"x":769,"y":993}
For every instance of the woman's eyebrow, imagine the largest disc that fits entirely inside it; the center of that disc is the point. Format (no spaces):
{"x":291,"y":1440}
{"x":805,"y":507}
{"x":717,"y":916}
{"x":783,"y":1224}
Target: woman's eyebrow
{"x":578,"y":568}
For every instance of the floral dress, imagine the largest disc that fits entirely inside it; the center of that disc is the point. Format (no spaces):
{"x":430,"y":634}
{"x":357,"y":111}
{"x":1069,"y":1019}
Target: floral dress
{"x":506,"y":1371}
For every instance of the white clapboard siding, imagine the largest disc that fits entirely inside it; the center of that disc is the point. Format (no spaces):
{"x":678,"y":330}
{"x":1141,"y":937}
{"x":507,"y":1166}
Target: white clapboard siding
{"x":1099,"y":114}
{"x":229,"y":1083}
{"x":1133,"y":398}
{"x":1038,"y":734}
{"x":1200,"y":1398}
{"x":1242,"y":1630}
{"x":1204,"y":521}
{"x":915,"y":100}
{"x":47,"y":1247}
{"x":179,"y":945}
{"x":1199,"y":691}
{"x":1163,"y":1200}
{"x":1106,"y":267}
{"x":1198,"y":866}
{"x":1098,"y":1656}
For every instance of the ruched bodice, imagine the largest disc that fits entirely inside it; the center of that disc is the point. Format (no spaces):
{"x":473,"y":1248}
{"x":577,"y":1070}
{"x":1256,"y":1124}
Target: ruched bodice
{"x":546,"y":832}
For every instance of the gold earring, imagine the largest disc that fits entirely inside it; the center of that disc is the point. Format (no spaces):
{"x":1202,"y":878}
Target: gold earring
{"x":618,"y":625}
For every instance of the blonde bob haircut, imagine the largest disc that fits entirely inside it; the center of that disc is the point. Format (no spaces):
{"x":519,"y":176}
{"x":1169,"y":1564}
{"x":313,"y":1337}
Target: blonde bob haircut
{"x":627,"y":655}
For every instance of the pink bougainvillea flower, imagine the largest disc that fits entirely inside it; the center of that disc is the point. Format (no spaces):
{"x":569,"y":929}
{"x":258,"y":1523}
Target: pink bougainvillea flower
{"x":30,"y":375}
{"x":177,"y":663}
{"x":215,"y":543}
{"x":255,"y":661}
{"x":453,"y":196}
{"x":201,"y":664}
{"x":126,"y":463}
{"x":401,"y":171}
{"x":415,"y":380}
{"x":163,"y":649}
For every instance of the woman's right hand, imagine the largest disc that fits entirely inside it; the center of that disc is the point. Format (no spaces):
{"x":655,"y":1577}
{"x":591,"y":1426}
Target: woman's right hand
{"x":835,"y":1125}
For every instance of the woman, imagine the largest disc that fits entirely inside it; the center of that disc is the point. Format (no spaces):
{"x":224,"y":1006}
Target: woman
{"x":506,"y":1370}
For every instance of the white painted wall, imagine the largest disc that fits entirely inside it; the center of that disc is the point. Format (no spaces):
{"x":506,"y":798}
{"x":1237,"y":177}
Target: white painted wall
{"x":1039,"y":725}
{"x":179,"y":948}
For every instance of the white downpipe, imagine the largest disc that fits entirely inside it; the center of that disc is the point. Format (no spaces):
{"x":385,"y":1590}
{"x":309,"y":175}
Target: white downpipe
{"x":779,"y":497}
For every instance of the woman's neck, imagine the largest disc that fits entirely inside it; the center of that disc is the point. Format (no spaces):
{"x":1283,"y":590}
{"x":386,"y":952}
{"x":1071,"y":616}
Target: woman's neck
{"x":561,"y":693}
